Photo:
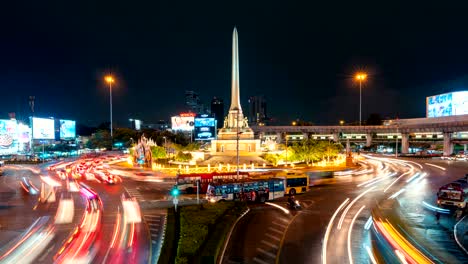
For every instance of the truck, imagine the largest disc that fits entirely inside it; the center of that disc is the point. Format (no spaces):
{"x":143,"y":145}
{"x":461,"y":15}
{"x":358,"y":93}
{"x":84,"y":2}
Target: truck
{"x":454,"y":194}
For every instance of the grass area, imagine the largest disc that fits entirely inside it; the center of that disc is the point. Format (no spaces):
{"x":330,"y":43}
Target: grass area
{"x":203,"y":229}
{"x":169,"y":248}
{"x":215,"y":242}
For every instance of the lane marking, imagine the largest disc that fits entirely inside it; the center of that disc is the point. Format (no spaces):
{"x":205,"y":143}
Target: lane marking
{"x":260,"y":261}
{"x":275,"y":230}
{"x":283,"y":219}
{"x":279,"y":224}
{"x":455,"y":235}
{"x":269,"y":244}
{"x":266,"y":253}
{"x":272,"y":237}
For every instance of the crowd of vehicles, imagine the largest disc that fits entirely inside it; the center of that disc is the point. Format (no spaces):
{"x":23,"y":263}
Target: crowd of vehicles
{"x":454,"y":194}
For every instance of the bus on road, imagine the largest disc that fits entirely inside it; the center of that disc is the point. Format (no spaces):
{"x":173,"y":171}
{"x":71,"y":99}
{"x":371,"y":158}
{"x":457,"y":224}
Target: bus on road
{"x":296,"y":182}
{"x":187,"y":183}
{"x":260,"y":190}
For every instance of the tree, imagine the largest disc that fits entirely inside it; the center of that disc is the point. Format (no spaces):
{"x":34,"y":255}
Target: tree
{"x":329,"y":150}
{"x":100,"y":139}
{"x":184,"y":157}
{"x":158,"y":152}
{"x":126,"y":136}
{"x":272,"y":158}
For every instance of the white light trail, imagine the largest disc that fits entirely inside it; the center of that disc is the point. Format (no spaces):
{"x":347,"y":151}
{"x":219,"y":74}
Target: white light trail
{"x":435,"y":166}
{"x":371,"y":255}
{"x":414,"y":177}
{"x":372,"y":180}
{"x":340,"y":223}
{"x":327,"y":232}
{"x":368,"y":223}
{"x":391,"y":184}
{"x":393,"y":196}
{"x":350,"y":230}
{"x":286,"y":211}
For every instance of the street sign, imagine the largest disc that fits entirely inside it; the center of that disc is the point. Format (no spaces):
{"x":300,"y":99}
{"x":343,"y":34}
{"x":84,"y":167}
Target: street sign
{"x":175,"y":201}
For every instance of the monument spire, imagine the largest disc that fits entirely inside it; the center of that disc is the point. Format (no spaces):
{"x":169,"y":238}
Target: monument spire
{"x":235,"y":95}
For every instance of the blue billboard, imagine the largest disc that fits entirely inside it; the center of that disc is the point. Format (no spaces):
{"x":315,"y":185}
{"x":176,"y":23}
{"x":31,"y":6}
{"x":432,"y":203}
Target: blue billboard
{"x":205,"y":128}
{"x":67,"y":129}
{"x":448,"y":104}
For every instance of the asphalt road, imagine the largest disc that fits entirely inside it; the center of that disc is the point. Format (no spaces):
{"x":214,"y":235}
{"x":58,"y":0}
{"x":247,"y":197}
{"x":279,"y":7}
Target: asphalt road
{"x":301,"y":241}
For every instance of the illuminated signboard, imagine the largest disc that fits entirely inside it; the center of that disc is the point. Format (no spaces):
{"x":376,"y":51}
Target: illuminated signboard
{"x":205,"y":128}
{"x":43,"y":128}
{"x":67,"y":129}
{"x":448,"y":104}
{"x":182,"y":123}
{"x":8,"y":134}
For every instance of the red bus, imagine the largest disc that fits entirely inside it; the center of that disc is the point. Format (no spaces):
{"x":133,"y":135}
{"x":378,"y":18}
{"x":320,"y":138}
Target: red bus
{"x":188,"y":182}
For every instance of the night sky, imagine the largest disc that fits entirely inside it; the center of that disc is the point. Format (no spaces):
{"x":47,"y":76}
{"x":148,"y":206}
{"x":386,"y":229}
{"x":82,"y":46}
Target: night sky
{"x":302,"y":57}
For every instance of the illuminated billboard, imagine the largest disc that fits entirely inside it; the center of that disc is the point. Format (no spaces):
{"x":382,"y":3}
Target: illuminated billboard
{"x":205,"y":128}
{"x":43,"y":128}
{"x":8,"y":134}
{"x":67,"y":129}
{"x":448,"y":104}
{"x":183,"y":122}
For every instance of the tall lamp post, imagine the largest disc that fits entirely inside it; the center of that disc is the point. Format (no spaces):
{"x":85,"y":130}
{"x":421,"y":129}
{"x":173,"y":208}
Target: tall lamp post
{"x":110,"y":80}
{"x":360,"y":77}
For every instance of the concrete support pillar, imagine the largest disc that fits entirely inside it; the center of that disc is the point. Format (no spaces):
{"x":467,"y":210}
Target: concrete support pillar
{"x":448,"y":146}
{"x":305,"y":135}
{"x":368,"y":140}
{"x":465,"y":148}
{"x":404,"y":143}
{"x":348,"y":146}
{"x":279,"y":138}
{"x":336,"y":137}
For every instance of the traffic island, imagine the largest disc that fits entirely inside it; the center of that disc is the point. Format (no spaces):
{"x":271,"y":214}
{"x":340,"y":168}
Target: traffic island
{"x":200,"y":232}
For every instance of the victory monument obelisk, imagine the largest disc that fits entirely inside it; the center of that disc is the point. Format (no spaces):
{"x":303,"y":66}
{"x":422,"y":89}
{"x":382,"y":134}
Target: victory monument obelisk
{"x":235,"y":124}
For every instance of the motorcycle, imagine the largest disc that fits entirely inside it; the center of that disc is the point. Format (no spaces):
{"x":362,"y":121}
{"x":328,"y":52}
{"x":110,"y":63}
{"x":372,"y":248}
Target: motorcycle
{"x":294,"y":205}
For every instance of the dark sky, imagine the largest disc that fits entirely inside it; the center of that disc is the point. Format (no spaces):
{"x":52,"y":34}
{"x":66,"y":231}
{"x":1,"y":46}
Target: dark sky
{"x":300,"y":56}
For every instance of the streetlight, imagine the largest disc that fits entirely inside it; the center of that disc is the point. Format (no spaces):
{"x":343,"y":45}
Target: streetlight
{"x":110,"y":80}
{"x":360,"y":77}
{"x":341,"y":122}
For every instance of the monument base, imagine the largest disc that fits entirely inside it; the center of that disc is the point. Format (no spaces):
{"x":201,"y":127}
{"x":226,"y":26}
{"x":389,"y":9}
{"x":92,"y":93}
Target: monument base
{"x":228,"y":147}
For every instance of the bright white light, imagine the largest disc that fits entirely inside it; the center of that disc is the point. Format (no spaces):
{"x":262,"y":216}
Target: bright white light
{"x":371,"y":256}
{"x":343,"y":215}
{"x":327,"y":232}
{"x":435,"y":166}
{"x":391,"y":184}
{"x":401,"y":256}
{"x":368,"y":223}
{"x":286,"y":211}
{"x":350,"y":254}
{"x":393,"y":196}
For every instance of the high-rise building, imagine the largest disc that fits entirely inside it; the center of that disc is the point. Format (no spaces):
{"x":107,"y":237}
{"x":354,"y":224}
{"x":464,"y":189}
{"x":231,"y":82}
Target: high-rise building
{"x":194,"y":104}
{"x":217,"y":110}
{"x":192,"y":101}
{"x":257,"y":110}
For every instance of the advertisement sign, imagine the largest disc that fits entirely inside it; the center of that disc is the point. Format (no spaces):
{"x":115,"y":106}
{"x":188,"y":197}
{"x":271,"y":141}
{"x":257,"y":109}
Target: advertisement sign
{"x":8,"y":133}
{"x":448,"y":104}
{"x":43,"y":128}
{"x":182,"y":123}
{"x":205,"y":128}
{"x":67,"y":129}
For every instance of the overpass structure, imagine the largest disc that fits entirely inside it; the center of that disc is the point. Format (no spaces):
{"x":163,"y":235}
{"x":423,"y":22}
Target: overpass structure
{"x":449,"y":130}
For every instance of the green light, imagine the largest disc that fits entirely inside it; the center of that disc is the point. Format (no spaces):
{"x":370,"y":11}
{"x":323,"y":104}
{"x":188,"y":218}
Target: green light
{"x":175,"y":192}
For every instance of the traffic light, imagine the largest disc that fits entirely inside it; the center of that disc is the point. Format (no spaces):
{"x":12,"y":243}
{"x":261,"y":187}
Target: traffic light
{"x":175,"y":191}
